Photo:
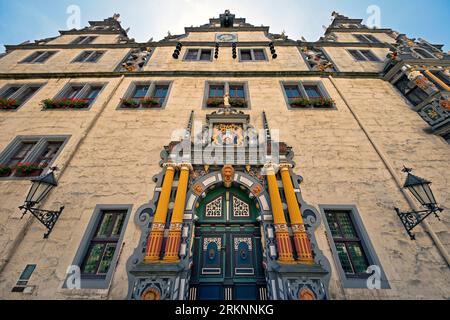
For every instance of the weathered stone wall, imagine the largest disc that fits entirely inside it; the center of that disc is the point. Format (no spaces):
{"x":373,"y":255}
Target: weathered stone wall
{"x":62,"y":61}
{"x":243,"y":36}
{"x":116,"y":161}
{"x":113,"y":154}
{"x":101,"y":38}
{"x":346,"y":62}
{"x":348,"y":37}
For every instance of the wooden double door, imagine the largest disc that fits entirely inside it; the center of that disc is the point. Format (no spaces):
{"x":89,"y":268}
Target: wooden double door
{"x":227,"y":253}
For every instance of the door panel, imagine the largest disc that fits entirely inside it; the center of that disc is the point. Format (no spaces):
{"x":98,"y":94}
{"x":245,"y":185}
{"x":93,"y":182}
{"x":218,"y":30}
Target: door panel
{"x":227,"y":261}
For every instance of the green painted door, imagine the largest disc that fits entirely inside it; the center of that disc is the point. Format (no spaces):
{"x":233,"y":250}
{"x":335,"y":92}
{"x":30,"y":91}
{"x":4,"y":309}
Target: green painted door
{"x":227,"y":262}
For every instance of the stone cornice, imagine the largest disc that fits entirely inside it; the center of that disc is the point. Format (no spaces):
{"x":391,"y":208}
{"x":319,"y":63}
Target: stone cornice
{"x":350,"y":30}
{"x":192,"y":44}
{"x":234,"y":29}
{"x":209,"y":74}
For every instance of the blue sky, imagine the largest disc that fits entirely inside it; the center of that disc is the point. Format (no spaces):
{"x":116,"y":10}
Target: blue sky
{"x":22,"y":20}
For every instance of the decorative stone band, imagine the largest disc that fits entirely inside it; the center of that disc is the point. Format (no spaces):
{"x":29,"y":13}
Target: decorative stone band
{"x":154,"y":245}
{"x":173,"y":244}
{"x":283,"y":244}
{"x":302,"y":244}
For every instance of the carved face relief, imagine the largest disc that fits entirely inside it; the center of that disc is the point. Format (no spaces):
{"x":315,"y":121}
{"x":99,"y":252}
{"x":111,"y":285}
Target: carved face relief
{"x":228,"y":175}
{"x":306,"y":294}
{"x":151,"y":294}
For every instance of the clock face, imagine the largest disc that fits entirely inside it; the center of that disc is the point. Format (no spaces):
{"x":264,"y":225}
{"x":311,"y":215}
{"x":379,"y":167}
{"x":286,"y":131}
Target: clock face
{"x":226,"y":37}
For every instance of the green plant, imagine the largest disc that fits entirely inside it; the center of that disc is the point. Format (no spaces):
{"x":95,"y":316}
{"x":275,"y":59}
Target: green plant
{"x":130,"y":103}
{"x":8,"y":104}
{"x":65,"y":103}
{"x":317,"y":102}
{"x":5,"y":170}
{"x":148,"y":102}
{"x":238,"y":102}
{"x":214,"y":102}
{"x":28,"y":168}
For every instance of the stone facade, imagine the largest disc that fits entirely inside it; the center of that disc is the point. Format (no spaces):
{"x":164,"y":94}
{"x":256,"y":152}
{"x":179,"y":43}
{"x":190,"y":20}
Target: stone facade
{"x":342,"y":154}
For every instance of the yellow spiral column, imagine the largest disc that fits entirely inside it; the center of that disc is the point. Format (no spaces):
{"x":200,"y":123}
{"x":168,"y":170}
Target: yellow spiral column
{"x":281,"y":229}
{"x":301,"y":240}
{"x":174,"y":239}
{"x":155,"y":239}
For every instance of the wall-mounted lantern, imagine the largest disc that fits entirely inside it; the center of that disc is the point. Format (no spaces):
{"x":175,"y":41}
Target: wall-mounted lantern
{"x":273,"y":51}
{"x":233,"y":45}
{"x":216,"y":53}
{"x":421,"y":190}
{"x":40,"y":188}
{"x":177,"y":51}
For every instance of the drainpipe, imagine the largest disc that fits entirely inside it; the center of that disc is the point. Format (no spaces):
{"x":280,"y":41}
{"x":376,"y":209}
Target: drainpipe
{"x":9,"y":251}
{"x":397,"y":180}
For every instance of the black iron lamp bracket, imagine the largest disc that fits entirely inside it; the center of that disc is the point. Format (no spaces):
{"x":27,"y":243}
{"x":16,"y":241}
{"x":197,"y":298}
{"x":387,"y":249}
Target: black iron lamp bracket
{"x":413,"y":218}
{"x":47,"y":217}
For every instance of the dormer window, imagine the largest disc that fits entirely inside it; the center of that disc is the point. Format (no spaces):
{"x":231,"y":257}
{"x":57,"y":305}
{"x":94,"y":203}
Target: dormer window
{"x":83,"y":40}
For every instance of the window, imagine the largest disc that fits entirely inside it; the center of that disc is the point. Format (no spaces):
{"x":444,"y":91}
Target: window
{"x":252,"y":55}
{"x":366,"y":38}
{"x":74,"y":96}
{"x":307,"y":95}
{"x":30,"y":156}
{"x":414,"y":94}
{"x":424,"y":54}
{"x":100,"y":246}
{"x":143,"y":95}
{"x":14,"y":96}
{"x":198,"y":55}
{"x":89,"y":56}
{"x":39,"y":57}
{"x":215,"y":93}
{"x":364,"y":55}
{"x":348,"y":245}
{"x":103,"y":244}
{"x":84,"y":40}
{"x":351,"y":247}
{"x":24,"y":278}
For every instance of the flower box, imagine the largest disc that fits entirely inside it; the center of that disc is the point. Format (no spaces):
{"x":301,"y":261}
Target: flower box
{"x":238,"y":102}
{"x":56,"y":104}
{"x":5,"y":171}
{"x":215,"y":102}
{"x":9,"y":104}
{"x":130,"y":103}
{"x":312,"y":103}
{"x":150,"y":103}
{"x":28,"y":170}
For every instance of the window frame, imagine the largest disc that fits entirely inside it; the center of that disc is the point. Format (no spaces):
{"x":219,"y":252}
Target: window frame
{"x":359,"y":51}
{"x":366,"y":38}
{"x":431,"y":57}
{"x":19,"y":93}
{"x":86,"y":86}
{"x":353,"y":282}
{"x":33,"y":61}
{"x":85,"y":244}
{"x":252,"y":54}
{"x":41,"y":141}
{"x":92,"y":53}
{"x":150,"y":93}
{"x":83,"y":42}
{"x":226,"y":85}
{"x":199,"y":53}
{"x":300,"y":85}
